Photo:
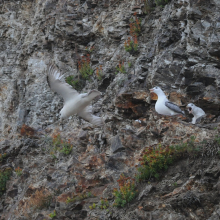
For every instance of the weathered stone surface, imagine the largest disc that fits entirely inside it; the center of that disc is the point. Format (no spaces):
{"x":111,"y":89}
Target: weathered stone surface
{"x":145,"y":192}
{"x":116,"y":145}
{"x":178,"y":50}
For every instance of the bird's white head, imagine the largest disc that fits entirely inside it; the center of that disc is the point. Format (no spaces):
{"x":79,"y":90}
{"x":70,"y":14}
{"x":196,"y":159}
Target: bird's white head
{"x":190,"y":107}
{"x":157,"y":90}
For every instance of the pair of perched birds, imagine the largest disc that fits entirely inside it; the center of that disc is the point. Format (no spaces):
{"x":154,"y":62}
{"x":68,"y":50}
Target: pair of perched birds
{"x":75,"y":103}
{"x":165,"y":107}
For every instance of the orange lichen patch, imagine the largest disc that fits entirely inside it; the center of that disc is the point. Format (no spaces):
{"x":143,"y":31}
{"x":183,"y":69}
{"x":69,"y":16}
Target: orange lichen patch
{"x":126,"y":104}
{"x":141,"y":95}
{"x":3,"y":88}
{"x":153,"y":96}
{"x":129,"y":163}
{"x":176,"y":98}
{"x":175,"y":191}
{"x":27,"y":131}
{"x":90,"y":148}
{"x":84,"y":183}
{"x":38,"y":200}
{"x":208,"y":98}
{"x":63,"y":197}
{"x":101,"y":29}
{"x":210,"y":116}
{"x":95,"y":161}
{"x":98,"y":190}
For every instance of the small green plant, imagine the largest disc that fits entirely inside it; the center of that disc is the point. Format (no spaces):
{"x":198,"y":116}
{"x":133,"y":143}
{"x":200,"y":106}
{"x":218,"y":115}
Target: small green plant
{"x":89,"y":194}
{"x":90,"y":49}
{"x":217,"y":139}
{"x":4,"y":177}
{"x":104,"y":204}
{"x":84,"y":67}
{"x":85,"y":70}
{"x":53,"y":214}
{"x":175,"y":184}
{"x":129,"y":64}
{"x":60,"y":145}
{"x":154,"y":160}
{"x":188,"y":148}
{"x":126,"y":192}
{"x":66,"y":149}
{"x":53,"y":156}
{"x":99,"y":72}
{"x":18,"y":171}
{"x":135,"y":26}
{"x":74,"y":82}
{"x":2,"y":157}
{"x":79,"y":196}
{"x":131,"y":46}
{"x":121,"y":68}
{"x":93,"y":206}
{"x":148,"y":6}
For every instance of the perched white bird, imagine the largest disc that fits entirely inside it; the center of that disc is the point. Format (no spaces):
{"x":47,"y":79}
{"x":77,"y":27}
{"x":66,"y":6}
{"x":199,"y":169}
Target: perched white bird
{"x":74,"y":103}
{"x":196,"y":111}
{"x":163,"y":105}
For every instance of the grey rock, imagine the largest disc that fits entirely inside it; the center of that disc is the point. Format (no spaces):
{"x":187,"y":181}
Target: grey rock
{"x":145,"y":192}
{"x":116,"y":145}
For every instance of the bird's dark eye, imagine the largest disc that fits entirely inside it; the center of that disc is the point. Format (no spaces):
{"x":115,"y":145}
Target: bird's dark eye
{"x":156,"y":87}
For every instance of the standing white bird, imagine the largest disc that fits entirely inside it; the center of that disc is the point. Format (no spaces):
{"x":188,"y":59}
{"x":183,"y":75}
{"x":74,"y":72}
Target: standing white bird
{"x":74,"y":103}
{"x":196,"y":111}
{"x":163,"y":105}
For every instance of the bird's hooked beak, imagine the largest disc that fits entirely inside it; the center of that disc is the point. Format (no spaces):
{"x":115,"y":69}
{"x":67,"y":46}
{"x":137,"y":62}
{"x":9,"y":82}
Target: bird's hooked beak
{"x":151,"y":90}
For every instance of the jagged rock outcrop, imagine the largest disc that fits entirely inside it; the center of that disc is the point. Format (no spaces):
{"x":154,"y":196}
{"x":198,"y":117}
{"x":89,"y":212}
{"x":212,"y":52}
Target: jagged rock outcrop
{"x":178,"y":50}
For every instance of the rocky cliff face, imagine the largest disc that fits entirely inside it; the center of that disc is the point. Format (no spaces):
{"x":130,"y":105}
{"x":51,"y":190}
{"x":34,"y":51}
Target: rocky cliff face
{"x":178,"y":50}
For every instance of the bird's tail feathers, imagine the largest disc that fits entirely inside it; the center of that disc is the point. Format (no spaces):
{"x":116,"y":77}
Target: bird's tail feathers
{"x":98,"y":121}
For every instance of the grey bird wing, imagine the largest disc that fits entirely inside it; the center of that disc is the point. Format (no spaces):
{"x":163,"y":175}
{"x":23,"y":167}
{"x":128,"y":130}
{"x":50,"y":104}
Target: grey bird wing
{"x":87,"y":115}
{"x":174,"y":107}
{"x":54,"y":81}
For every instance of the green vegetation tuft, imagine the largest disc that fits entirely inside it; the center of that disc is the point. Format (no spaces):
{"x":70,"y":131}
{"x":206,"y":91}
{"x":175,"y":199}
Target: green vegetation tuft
{"x":126,"y":192}
{"x":104,"y":204}
{"x":2,"y":157}
{"x":53,"y":214}
{"x":60,"y":145}
{"x":120,"y":68}
{"x":79,"y":196}
{"x":154,"y":160}
{"x":4,"y":177}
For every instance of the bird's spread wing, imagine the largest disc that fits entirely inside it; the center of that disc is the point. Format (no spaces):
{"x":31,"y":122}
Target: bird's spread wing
{"x":87,"y":115}
{"x":54,"y":81}
{"x":174,"y":107}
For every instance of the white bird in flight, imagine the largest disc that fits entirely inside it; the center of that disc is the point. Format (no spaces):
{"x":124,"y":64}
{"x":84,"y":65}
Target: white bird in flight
{"x":196,"y":111}
{"x":163,"y":105}
{"x":74,"y":103}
